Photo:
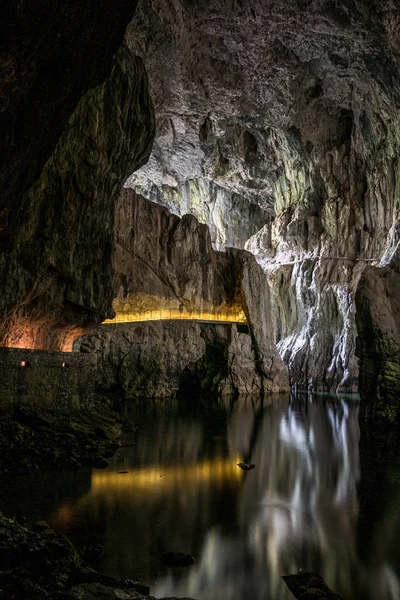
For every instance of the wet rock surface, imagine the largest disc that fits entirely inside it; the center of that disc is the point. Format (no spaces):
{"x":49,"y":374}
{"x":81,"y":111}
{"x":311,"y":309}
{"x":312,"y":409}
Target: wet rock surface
{"x":33,"y":438}
{"x":315,"y":317}
{"x":46,"y":566}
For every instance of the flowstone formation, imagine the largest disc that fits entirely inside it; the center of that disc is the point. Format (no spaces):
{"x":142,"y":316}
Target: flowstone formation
{"x":290,"y":111}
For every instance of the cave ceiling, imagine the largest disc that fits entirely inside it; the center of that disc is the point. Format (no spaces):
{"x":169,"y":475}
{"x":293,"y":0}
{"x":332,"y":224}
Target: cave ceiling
{"x":249,"y":92}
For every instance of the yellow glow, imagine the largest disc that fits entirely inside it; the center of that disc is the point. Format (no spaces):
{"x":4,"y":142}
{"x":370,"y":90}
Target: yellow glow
{"x":229,"y":315}
{"x":109,"y":485}
{"x":66,"y":514}
{"x":163,"y":478}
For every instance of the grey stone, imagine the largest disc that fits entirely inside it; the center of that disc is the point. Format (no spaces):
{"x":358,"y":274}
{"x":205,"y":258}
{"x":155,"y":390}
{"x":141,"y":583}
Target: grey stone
{"x":294,"y":107}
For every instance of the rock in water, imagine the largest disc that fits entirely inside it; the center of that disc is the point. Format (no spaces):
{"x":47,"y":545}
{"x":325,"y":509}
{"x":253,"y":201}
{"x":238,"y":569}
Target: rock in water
{"x":177,"y":559}
{"x":309,"y":585}
{"x":245,"y":466}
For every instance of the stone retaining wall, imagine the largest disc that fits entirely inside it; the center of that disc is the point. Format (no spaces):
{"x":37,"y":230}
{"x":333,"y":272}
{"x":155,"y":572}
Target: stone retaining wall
{"x":61,"y":380}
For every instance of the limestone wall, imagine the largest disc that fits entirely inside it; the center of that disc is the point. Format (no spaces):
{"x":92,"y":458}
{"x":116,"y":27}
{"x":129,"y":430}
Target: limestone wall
{"x":61,"y":380}
{"x":163,"y":358}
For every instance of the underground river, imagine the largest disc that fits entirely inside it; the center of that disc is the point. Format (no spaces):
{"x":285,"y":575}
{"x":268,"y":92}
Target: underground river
{"x":312,"y":502}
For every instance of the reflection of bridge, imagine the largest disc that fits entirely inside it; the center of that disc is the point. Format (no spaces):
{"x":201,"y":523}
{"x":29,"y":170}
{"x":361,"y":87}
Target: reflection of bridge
{"x":229,"y":315}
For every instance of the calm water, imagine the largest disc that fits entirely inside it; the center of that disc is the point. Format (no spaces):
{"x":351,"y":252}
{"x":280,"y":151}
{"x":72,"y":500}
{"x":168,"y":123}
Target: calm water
{"x":299,"y":507}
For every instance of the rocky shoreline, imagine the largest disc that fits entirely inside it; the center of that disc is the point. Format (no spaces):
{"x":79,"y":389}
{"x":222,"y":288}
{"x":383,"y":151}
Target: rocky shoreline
{"x":34,"y":439}
{"x":38,"y":564}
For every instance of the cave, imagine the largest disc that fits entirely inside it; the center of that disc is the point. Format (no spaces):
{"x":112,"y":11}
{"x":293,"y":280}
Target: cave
{"x":200,"y":299}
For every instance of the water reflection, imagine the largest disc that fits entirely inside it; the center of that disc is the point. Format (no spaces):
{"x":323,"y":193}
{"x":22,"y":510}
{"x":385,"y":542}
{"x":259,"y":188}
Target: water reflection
{"x":181,"y":490}
{"x":300,"y":510}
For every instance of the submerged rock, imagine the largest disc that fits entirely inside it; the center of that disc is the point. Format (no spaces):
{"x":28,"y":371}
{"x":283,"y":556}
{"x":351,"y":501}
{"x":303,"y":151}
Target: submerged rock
{"x":310,"y":586}
{"x":177,"y":559}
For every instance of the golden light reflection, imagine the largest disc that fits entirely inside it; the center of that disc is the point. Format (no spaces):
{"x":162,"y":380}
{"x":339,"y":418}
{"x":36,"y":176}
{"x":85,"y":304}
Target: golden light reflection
{"x":161,"y":479}
{"x":66,"y":514}
{"x":232,"y":315}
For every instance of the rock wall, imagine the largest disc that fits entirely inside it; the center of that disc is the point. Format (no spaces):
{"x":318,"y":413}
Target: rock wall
{"x":334,"y":217}
{"x":314,"y":313}
{"x":231,"y":218}
{"x":378,"y":342}
{"x":51,"y":54}
{"x":161,"y":259}
{"x":164,"y":261}
{"x":234,"y":85}
{"x":56,"y":273}
{"x":165,"y":358}
{"x":293,"y":106}
{"x":57,"y":380}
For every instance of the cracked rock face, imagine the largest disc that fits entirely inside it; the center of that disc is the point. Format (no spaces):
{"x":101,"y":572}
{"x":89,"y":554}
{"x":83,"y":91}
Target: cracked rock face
{"x":232,"y":219}
{"x":234,"y":84}
{"x":292,"y":107}
{"x":164,"y":358}
{"x":162,"y":261}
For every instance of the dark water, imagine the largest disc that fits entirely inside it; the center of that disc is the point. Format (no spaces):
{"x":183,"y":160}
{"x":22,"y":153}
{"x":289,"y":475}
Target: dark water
{"x":299,"y":507}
